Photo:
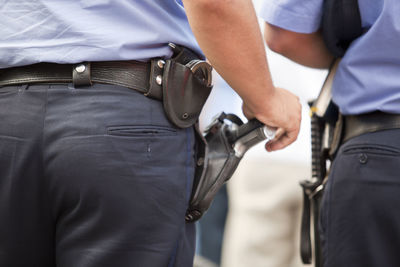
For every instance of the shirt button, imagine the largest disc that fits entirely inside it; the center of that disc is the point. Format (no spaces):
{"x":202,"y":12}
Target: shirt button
{"x":363,"y":158}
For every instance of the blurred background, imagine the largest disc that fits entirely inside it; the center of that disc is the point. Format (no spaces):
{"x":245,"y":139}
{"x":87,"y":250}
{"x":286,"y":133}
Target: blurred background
{"x":255,"y":220}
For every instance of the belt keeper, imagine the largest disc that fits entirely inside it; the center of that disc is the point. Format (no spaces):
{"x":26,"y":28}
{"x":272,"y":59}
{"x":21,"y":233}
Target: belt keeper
{"x":156,"y":79}
{"x":81,"y":75}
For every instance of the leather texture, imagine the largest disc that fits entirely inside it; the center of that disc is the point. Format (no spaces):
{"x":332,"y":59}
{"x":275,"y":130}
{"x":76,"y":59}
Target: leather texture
{"x":219,"y":158}
{"x":220,"y":163}
{"x":370,"y":122}
{"x":81,"y":75}
{"x":182,"y":91}
{"x":131,"y":74}
{"x":184,"y":94}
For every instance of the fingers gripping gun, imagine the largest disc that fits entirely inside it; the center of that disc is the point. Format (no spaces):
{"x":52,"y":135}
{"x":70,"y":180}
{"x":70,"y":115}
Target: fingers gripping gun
{"x":226,"y":141}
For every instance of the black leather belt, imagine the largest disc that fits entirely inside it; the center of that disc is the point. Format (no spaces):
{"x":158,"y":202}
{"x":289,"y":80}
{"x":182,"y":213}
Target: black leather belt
{"x":145,"y":77}
{"x":356,"y":125}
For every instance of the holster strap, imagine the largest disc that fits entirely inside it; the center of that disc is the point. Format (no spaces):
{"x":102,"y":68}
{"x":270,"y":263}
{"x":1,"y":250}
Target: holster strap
{"x":356,"y":125}
{"x":145,"y":77}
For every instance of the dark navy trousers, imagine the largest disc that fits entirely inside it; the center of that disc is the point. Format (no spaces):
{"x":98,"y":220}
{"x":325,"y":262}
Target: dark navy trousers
{"x":92,"y":177}
{"x":360,"y":215}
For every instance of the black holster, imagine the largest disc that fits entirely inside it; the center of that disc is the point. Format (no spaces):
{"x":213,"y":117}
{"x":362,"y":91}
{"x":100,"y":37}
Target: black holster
{"x":186,"y":85}
{"x":220,"y":150}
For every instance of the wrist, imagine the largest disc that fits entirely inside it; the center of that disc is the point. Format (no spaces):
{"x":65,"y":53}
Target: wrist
{"x":261,"y":104}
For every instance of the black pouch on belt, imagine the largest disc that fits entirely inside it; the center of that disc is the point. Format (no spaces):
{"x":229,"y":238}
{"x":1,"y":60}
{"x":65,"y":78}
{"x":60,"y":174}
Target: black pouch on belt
{"x":186,"y":85}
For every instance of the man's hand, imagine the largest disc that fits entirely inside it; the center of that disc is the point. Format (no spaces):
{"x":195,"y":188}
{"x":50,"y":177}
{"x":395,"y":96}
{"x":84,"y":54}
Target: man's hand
{"x":281,"y":110}
{"x":229,"y":35}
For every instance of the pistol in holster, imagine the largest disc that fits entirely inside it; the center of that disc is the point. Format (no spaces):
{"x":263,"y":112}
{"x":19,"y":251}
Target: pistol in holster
{"x":221,"y":148}
{"x":186,"y":85}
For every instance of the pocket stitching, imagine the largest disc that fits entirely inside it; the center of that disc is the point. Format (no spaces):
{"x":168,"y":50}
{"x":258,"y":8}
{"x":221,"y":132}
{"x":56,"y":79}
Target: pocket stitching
{"x":371,"y":149}
{"x":140,"y":131}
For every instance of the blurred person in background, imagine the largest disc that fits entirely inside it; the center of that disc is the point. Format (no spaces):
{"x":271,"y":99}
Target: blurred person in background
{"x":359,"y":222}
{"x":86,"y":173}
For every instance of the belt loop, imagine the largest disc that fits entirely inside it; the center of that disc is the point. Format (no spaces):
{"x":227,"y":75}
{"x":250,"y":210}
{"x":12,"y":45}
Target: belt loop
{"x":338,"y":136}
{"x":81,"y":74}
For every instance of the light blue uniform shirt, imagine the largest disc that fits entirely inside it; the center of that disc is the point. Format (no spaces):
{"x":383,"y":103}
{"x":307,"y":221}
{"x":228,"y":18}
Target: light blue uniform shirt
{"x":368,"y":77}
{"x":72,"y":31}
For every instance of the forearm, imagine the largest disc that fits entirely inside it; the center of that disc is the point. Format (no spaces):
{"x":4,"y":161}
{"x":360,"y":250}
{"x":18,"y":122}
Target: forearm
{"x":229,"y":35}
{"x":218,"y":23}
{"x":306,"y":49}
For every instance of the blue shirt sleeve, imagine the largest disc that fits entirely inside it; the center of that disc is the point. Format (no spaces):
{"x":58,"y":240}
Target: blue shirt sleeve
{"x":303,"y":16}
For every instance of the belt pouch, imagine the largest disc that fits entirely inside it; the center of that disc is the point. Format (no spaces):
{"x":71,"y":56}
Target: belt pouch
{"x":184,"y":93}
